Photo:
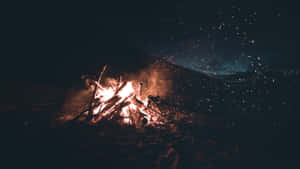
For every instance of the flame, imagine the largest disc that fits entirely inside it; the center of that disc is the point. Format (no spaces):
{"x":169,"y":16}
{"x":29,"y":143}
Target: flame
{"x":127,"y":90}
{"x":128,"y":98}
{"x":126,"y":95}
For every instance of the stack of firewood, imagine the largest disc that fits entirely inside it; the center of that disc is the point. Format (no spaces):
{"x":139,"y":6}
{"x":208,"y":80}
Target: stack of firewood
{"x":111,"y":109}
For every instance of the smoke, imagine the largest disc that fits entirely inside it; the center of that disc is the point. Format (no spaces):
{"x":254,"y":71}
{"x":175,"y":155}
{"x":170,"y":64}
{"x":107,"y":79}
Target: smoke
{"x":155,"y":80}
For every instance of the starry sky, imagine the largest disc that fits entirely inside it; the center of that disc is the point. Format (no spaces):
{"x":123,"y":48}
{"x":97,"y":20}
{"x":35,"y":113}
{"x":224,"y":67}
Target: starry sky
{"x":221,"y":37}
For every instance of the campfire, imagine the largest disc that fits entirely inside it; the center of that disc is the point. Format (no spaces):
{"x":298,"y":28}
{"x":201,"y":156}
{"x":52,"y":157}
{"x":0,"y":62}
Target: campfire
{"x":123,"y":101}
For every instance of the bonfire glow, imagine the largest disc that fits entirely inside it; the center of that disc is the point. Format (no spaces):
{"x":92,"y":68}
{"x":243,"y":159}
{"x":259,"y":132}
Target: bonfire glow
{"x":123,"y":99}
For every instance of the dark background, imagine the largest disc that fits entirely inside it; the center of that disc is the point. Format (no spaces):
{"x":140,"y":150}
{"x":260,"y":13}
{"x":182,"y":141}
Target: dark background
{"x":49,"y":44}
{"x":51,"y":41}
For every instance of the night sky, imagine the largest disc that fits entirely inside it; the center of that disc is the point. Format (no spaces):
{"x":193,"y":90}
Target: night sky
{"x":53,"y":41}
{"x":245,"y":119}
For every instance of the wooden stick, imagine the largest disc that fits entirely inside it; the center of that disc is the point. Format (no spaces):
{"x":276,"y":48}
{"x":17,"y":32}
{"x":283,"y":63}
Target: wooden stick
{"x":90,"y":114}
{"x":120,"y":88}
{"x":101,"y":74}
{"x":82,"y":113}
{"x":141,"y":88}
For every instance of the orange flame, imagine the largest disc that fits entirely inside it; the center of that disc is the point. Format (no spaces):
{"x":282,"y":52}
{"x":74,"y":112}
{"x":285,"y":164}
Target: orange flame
{"x":126,"y":92}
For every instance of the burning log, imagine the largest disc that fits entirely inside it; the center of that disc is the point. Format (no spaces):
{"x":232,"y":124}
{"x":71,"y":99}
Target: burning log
{"x":82,"y":113}
{"x":113,"y":107}
{"x":118,"y":108}
{"x":141,"y":104}
{"x":141,"y":88}
{"x":90,"y":114}
{"x":120,"y":88}
{"x":109,"y":104}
